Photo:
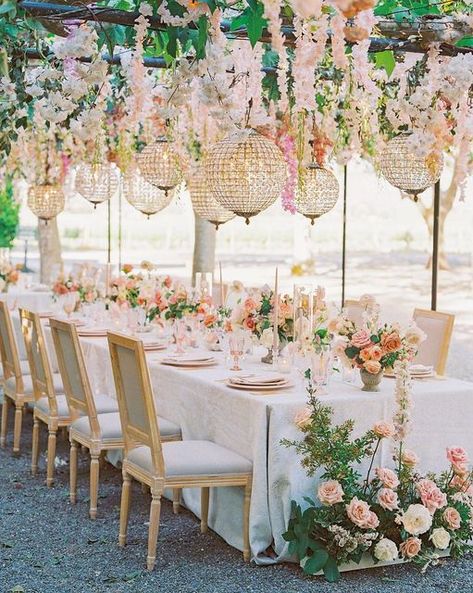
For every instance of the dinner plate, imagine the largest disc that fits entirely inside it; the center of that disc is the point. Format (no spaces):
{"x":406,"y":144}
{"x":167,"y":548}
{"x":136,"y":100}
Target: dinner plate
{"x":188,"y":364}
{"x":266,"y":379}
{"x":92,"y":333}
{"x":273,"y":387}
{"x":154,"y":346}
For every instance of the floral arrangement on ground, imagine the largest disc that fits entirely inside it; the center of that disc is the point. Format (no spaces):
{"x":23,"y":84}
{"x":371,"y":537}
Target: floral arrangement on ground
{"x":390,"y":513}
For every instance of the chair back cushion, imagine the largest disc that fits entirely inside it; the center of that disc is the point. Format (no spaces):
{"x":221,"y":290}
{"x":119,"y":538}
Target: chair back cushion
{"x":438,"y":327}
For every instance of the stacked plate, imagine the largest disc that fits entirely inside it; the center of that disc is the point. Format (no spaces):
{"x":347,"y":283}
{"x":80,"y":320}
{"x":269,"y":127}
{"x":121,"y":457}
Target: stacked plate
{"x":263,"y":382}
{"x":189,"y":360}
{"x":150,"y":346}
{"x":420,"y":371}
{"x":92,"y":332}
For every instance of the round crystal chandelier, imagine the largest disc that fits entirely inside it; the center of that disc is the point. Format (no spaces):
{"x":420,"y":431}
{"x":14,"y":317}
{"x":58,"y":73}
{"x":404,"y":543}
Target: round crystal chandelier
{"x":318,"y":192}
{"x":46,"y":201}
{"x":246,"y":173}
{"x":407,"y":171}
{"x":159,"y":165}
{"x":203,"y":202}
{"x":96,"y":182}
{"x":143,"y":196}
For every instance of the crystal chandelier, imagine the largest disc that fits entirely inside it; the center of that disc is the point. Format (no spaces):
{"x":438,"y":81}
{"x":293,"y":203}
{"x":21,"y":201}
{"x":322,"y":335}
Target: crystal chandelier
{"x":407,"y":171}
{"x":46,"y":201}
{"x":317,"y":193}
{"x":203,"y":202}
{"x":143,"y":196}
{"x":96,"y":182}
{"x":246,"y":173}
{"x":159,"y":165}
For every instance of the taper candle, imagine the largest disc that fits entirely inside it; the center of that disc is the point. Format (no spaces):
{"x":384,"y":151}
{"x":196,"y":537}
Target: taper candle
{"x":222,"y":299}
{"x":276,"y":316}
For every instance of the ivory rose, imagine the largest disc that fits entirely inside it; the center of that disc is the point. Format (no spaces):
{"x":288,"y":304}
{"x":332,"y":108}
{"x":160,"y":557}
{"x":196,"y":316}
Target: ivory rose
{"x":384,"y":430}
{"x":391,"y":342}
{"x":361,"y":339}
{"x":387,"y":477}
{"x":359,"y":513}
{"x":330,"y":492}
{"x":409,"y":458}
{"x":388,"y":499}
{"x":372,"y":366}
{"x":414,"y":335}
{"x":416,"y":520}
{"x":452,"y":518}
{"x":458,"y":457}
{"x":303,"y":418}
{"x":411,"y":547}
{"x":431,"y":495}
{"x":386,"y":550}
{"x":440,"y":538}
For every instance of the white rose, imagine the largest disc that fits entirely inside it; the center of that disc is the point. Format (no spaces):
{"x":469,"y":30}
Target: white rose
{"x":267,"y":338}
{"x":386,"y":550}
{"x":440,"y":538}
{"x":416,"y":519}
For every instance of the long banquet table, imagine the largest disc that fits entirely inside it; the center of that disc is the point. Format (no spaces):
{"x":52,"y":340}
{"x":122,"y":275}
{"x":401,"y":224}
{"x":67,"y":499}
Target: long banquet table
{"x":253,"y":426}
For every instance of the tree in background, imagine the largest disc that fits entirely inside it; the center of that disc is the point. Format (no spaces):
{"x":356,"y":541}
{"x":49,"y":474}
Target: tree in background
{"x":9,"y":216}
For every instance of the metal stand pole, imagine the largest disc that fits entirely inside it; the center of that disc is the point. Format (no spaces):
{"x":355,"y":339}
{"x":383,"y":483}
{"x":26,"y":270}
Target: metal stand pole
{"x":120,"y":196}
{"x":344,"y":234}
{"x":435,"y":246}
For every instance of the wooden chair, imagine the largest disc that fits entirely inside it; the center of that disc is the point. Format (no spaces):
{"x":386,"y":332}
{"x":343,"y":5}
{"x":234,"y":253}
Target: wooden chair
{"x":50,"y":406}
{"x":17,"y":383}
{"x":438,"y":327}
{"x":92,"y":426}
{"x":160,"y":465}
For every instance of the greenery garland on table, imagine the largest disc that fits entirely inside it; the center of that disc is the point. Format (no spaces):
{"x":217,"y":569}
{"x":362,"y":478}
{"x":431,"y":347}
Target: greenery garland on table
{"x":389,"y":513}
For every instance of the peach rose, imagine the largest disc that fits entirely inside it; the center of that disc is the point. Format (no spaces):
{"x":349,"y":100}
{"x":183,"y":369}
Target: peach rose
{"x":458,"y":457}
{"x":372,"y":366}
{"x":210,"y":319}
{"x":303,"y":418}
{"x":388,"y":499}
{"x":409,"y":458}
{"x":250,"y":305}
{"x":330,"y":492}
{"x":411,"y":547}
{"x":384,"y":430}
{"x":431,"y":495}
{"x":391,"y":342}
{"x":359,"y":513}
{"x":249,"y":323}
{"x":361,"y":339}
{"x":127,"y":268}
{"x":371,"y":353}
{"x":452,"y":518}
{"x":387,"y":477}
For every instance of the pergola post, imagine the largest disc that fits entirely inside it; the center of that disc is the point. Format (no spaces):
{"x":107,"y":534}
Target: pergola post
{"x":435,"y":246}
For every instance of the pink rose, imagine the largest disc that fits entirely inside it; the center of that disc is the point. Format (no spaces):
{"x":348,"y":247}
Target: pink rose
{"x":372,"y":366}
{"x":250,"y":305}
{"x":452,"y":518}
{"x":388,"y":499}
{"x":303,"y":418}
{"x":458,"y":457}
{"x":361,"y":339}
{"x":409,"y":458}
{"x":330,"y":492}
{"x":359,"y":513}
{"x":431,"y":495}
{"x":384,"y":430}
{"x":411,"y":547}
{"x":387,"y":477}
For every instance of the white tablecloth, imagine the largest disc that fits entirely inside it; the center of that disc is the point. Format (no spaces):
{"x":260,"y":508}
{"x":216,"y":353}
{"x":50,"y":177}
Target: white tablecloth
{"x":253,"y":425}
{"x":34,"y":301}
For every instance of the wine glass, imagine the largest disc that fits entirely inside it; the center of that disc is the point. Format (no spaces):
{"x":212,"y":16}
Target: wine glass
{"x":69,"y":303}
{"x":179,"y":332}
{"x":237,"y":348}
{"x":319,"y":369}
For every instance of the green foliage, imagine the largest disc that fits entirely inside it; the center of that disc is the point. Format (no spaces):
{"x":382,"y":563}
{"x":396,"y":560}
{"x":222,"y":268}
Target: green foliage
{"x":9,"y":216}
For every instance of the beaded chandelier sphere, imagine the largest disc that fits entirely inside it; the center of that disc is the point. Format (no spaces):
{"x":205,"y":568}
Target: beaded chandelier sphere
{"x":159,"y":165}
{"x":143,"y":196}
{"x":96,"y":182}
{"x":407,"y":171}
{"x":203,"y":202}
{"x":246,"y":173}
{"x":46,"y":201}
{"x":318,"y":193}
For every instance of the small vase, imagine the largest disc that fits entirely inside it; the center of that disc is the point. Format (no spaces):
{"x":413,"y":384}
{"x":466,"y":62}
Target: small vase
{"x":268,"y":357}
{"x":370,"y":382}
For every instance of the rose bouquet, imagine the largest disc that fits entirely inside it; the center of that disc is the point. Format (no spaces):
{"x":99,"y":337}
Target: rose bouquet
{"x":9,"y":275}
{"x":389,"y":513}
{"x":64,"y":285}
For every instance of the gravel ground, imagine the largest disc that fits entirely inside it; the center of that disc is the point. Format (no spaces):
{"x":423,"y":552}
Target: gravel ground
{"x":49,"y":546}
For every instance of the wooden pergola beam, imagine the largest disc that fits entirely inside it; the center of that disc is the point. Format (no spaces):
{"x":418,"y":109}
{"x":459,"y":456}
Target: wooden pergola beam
{"x":100,"y":14}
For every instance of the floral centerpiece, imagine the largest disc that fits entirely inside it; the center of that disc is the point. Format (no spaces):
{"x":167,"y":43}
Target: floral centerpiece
{"x":9,"y":275}
{"x":64,"y":285}
{"x":389,"y":513}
